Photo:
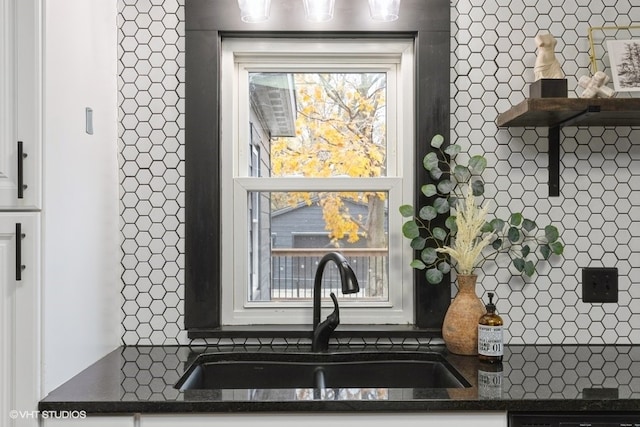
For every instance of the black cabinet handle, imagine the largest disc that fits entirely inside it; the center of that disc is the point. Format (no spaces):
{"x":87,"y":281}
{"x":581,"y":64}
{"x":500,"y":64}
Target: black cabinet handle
{"x":19,"y":237}
{"x":21,"y":156}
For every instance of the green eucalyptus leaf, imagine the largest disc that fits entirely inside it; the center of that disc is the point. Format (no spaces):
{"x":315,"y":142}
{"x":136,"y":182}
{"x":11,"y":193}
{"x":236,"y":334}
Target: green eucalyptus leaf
{"x":518,"y":263}
{"x":450,"y":223}
{"x":477,"y":164}
{"x":429,"y":190}
{"x":428,"y":213}
{"x":529,"y":268}
{"x":498,"y":224}
{"x":446,"y":186}
{"x":486,"y":228}
{"x":434,"y":276}
{"x":513,"y":234}
{"x":439,"y":233}
{"x":529,"y":225}
{"x":496,"y":244}
{"x":452,"y":150}
{"x":526,"y":250}
{"x":429,"y":255}
{"x":461,"y":173}
{"x":410,"y":230}
{"x":406,"y":211}
{"x":477,"y":187}
{"x":516,"y":219}
{"x":430,"y":161}
{"x":557,"y":248}
{"x":545,"y":251}
{"x":551,"y":233}
{"x":418,"y":243}
{"x":435,"y":173}
{"x":453,"y":202}
{"x":417,"y":264}
{"x":437,"y":141}
{"x":441,"y":205}
{"x":444,"y":267}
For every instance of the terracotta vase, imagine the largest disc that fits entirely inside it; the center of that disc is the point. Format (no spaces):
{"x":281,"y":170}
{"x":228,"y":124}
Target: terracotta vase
{"x":460,"y":327}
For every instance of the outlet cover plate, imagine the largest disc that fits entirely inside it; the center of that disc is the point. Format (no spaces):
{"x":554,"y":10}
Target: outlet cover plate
{"x":600,"y":284}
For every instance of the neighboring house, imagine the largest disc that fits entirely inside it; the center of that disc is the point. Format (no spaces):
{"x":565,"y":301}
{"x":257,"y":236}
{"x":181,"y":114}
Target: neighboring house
{"x":299,"y":239}
{"x":303,"y":226}
{"x":273,"y":114}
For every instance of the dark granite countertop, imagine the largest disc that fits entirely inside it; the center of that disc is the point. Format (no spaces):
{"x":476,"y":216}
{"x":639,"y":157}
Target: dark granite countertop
{"x":141,"y":379}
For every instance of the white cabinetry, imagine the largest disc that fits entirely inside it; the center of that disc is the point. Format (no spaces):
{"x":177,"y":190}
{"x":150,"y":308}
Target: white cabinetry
{"x":20,"y":198}
{"x":20,"y":116}
{"x":432,"y":419}
{"x":92,"y":421}
{"x":19,"y":317}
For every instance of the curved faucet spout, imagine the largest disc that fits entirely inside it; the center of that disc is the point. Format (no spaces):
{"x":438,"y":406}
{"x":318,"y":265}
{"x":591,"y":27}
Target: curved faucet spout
{"x":349,"y":286}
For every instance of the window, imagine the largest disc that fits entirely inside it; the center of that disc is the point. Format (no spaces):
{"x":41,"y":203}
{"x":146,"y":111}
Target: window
{"x":427,"y":24}
{"x":317,"y":137}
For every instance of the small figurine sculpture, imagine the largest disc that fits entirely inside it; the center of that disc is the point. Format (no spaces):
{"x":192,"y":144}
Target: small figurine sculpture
{"x":547,"y":66}
{"x":594,"y":87}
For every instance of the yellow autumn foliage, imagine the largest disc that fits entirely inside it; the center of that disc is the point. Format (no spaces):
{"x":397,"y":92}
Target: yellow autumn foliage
{"x":340,"y":131}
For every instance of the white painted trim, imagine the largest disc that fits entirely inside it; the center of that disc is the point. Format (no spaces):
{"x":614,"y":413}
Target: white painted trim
{"x":318,"y":184}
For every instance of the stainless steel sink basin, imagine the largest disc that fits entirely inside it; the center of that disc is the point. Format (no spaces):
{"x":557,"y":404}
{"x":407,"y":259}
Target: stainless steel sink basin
{"x":415,"y":370}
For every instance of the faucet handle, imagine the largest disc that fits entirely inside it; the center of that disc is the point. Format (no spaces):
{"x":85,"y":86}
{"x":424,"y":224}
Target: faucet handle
{"x":336,"y":309}
{"x":333,"y":320}
{"x":322,"y":332}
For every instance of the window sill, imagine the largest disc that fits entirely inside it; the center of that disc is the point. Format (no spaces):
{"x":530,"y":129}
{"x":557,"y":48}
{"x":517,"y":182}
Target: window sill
{"x":304,"y":331}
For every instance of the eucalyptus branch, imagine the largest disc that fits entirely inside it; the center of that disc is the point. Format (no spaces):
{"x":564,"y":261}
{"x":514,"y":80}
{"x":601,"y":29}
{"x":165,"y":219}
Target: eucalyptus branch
{"x":454,"y":189}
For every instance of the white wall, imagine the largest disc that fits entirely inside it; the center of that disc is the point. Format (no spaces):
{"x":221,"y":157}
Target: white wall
{"x":81,"y":270}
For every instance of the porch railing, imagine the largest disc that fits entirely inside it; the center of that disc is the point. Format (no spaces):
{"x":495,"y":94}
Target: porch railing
{"x":293,"y":273}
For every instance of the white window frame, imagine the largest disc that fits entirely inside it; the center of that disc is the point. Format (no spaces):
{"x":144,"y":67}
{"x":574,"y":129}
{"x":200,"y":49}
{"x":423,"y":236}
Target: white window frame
{"x":238,"y":58}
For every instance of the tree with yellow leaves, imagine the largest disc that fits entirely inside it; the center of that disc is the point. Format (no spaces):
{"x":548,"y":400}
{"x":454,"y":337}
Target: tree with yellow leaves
{"x":340,"y":131}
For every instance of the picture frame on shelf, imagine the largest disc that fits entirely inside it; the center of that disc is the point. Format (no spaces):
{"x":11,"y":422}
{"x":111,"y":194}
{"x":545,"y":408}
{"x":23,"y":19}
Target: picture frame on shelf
{"x":624,"y":56}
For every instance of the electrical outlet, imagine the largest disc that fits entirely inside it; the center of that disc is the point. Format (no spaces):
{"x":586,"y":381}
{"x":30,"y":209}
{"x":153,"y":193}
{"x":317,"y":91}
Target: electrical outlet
{"x":600,"y":284}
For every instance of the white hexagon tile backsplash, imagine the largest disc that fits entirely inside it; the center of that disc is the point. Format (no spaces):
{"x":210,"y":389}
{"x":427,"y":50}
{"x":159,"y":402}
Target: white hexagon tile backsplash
{"x":492,"y":59}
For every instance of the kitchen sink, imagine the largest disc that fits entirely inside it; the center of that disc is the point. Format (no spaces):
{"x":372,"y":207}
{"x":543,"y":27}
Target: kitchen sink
{"x":415,"y":370}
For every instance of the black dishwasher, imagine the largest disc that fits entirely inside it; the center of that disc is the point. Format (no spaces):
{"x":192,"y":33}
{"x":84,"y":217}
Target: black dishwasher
{"x":574,"y":419}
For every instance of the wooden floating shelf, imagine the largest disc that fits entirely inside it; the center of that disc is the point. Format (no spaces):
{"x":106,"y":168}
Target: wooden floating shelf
{"x":556,"y":113}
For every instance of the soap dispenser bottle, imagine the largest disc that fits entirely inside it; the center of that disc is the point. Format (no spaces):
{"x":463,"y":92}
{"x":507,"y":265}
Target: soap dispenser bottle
{"x":490,"y":339}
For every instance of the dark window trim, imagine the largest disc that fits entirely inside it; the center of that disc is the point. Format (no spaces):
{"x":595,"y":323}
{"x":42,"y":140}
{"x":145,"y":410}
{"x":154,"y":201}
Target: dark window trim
{"x":207,"y":21}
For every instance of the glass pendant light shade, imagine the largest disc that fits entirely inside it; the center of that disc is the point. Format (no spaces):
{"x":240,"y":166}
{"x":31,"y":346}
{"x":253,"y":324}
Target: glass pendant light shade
{"x":254,"y":10}
{"x":318,"y":10}
{"x":384,"y":10}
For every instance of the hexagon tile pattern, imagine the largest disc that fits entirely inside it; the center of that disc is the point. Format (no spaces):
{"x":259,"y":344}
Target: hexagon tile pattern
{"x":151,"y":113}
{"x":493,"y":55}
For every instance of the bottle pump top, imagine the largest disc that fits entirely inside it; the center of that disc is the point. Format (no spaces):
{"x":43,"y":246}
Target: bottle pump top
{"x":491,"y":307}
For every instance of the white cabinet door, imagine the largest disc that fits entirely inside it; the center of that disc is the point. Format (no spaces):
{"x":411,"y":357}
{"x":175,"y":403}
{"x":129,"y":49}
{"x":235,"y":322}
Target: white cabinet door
{"x":91,"y":421}
{"x":430,"y":419}
{"x":19,"y":319}
{"x":20,"y":100}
